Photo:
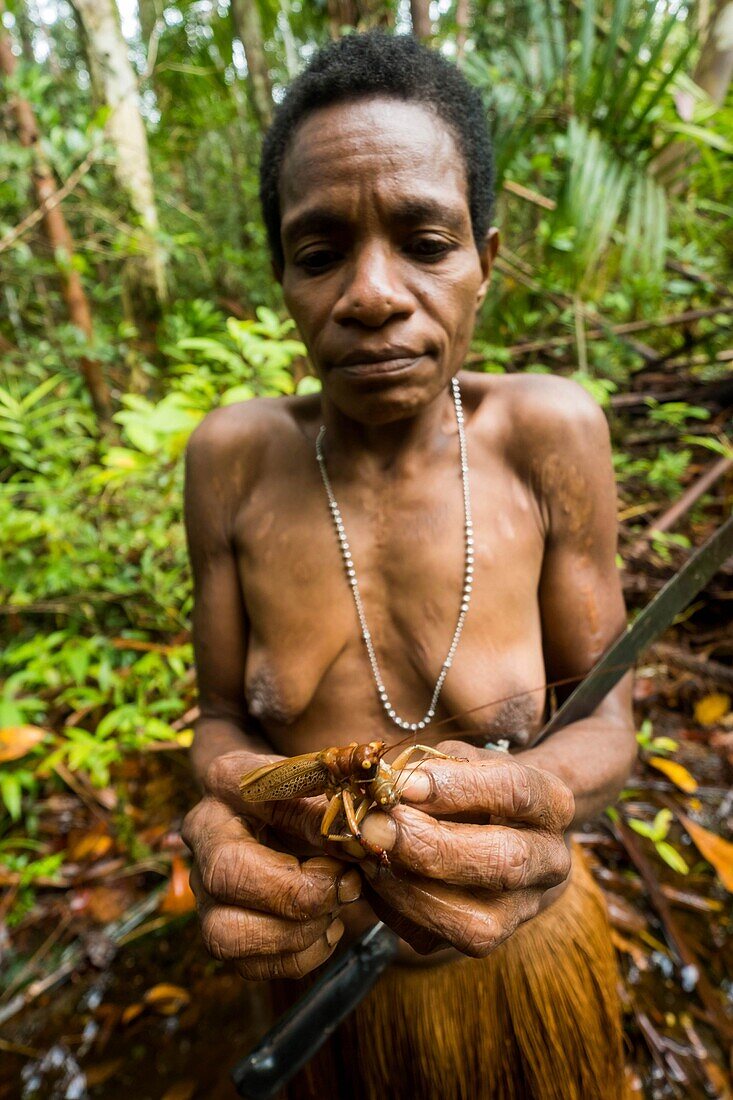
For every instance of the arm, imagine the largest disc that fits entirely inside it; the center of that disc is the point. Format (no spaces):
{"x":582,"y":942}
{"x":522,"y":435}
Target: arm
{"x":272,"y":913}
{"x":581,"y":602}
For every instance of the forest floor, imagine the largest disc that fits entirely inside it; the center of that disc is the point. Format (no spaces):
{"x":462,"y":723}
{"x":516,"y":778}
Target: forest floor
{"x":111,"y":993}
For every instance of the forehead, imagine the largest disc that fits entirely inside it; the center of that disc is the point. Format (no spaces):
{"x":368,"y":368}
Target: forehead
{"x":387,"y":150}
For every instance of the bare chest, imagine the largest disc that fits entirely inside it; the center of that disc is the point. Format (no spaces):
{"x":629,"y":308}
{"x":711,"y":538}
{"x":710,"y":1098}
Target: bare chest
{"x":308,"y":679}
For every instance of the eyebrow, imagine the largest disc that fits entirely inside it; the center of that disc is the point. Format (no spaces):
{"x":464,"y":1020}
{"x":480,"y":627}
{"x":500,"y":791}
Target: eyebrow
{"x":409,"y":212}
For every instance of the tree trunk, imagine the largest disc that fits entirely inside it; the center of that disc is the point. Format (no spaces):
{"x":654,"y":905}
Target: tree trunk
{"x":421,"y":26}
{"x":115,"y":82}
{"x":248,"y":29}
{"x":714,"y":69}
{"x":149,"y":12}
{"x":57,"y":234}
{"x":463,"y":15}
{"x":361,"y":14}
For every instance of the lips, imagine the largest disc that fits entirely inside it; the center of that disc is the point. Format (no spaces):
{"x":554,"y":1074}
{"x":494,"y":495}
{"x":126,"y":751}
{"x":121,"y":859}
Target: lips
{"x":378,"y":360}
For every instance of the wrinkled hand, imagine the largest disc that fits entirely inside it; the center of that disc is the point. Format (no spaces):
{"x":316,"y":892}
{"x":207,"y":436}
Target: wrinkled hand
{"x":274,"y":914}
{"x":470,"y":885}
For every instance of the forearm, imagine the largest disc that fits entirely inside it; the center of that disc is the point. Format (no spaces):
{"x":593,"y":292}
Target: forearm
{"x":215,"y":736}
{"x":593,"y":757}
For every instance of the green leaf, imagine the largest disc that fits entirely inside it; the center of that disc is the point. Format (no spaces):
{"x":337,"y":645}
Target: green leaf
{"x":672,"y":857}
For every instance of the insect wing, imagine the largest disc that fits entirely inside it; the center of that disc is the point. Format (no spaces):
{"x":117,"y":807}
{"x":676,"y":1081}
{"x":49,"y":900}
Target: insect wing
{"x":297,"y":777}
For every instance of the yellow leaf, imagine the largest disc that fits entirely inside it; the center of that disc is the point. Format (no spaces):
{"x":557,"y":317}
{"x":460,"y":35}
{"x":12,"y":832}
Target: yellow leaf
{"x":167,"y":999}
{"x":16,"y":741}
{"x":717,"y":851}
{"x":711,"y":708}
{"x":676,"y":772}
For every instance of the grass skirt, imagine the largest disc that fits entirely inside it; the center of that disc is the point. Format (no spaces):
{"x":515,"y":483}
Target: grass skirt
{"x":539,"y":1019}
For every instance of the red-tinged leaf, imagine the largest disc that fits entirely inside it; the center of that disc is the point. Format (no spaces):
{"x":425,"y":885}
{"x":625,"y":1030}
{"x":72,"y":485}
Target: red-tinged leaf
{"x":716,"y":851}
{"x":16,"y":741}
{"x":178,"y":898}
{"x":676,"y":772}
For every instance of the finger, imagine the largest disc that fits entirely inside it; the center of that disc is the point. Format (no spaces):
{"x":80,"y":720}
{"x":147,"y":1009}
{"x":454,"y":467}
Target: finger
{"x":494,"y":784}
{"x":473,"y":924}
{"x":233,"y":933}
{"x":299,"y":817}
{"x":492,"y":857}
{"x":237,"y":870}
{"x":259,"y":968}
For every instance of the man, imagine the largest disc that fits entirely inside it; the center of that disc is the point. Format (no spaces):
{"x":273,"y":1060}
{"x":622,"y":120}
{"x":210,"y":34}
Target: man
{"x":410,"y":547}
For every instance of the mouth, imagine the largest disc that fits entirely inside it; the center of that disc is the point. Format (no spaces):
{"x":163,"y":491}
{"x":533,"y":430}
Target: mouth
{"x":368,"y":363}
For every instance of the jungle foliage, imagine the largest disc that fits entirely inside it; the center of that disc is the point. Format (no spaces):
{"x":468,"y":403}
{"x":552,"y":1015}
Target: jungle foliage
{"x":615,"y":176}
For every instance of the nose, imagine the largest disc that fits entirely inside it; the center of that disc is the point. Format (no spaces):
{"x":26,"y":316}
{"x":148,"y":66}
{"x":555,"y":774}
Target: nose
{"x":374,"y":292}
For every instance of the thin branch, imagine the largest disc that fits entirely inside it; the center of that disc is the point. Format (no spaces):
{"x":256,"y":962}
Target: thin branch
{"x":50,"y":201}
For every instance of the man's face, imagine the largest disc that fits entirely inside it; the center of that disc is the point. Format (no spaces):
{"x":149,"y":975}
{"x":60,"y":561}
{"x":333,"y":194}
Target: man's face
{"x":382,"y":274}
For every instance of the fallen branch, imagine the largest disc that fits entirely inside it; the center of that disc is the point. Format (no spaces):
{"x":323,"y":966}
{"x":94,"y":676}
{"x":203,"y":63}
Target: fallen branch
{"x":714,"y":671}
{"x":627,"y":328}
{"x":690,"y":496}
{"x":50,"y":201}
{"x":672,"y":931}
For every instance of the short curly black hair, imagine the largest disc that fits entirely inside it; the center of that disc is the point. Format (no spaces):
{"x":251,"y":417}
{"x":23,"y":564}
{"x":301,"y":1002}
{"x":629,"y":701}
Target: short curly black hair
{"x":363,"y":65}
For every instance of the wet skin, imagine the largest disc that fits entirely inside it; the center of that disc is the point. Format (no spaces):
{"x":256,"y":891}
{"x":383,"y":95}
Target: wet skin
{"x":384,"y":278}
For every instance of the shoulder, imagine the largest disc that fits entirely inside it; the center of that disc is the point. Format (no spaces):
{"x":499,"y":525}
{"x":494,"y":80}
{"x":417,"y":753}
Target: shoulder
{"x":534,"y":416}
{"x":240,"y":437}
{"x":232,"y":448}
{"x":555,"y":438}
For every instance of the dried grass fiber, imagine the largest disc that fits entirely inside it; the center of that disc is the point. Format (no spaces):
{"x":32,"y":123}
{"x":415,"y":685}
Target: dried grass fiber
{"x":539,"y":1019}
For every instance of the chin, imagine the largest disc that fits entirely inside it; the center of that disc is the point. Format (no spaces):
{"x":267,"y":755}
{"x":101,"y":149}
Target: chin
{"x":384,"y":399}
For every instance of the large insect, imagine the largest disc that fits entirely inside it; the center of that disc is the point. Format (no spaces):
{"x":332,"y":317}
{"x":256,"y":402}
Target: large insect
{"x":355,"y":778}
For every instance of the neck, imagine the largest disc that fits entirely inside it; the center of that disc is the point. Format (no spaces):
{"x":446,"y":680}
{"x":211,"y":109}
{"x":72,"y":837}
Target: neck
{"x":398,"y":446}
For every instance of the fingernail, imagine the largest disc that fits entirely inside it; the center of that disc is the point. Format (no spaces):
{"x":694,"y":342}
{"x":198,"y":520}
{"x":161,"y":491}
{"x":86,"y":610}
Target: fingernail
{"x":334,"y":932}
{"x":379,"y":829}
{"x":417,"y":787}
{"x":349,"y":887}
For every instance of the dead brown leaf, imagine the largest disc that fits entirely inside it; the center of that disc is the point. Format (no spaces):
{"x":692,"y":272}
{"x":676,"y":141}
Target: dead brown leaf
{"x":181,"y":1090}
{"x":97,"y":1075}
{"x":178,"y":898}
{"x":714,"y":848}
{"x":16,"y":741}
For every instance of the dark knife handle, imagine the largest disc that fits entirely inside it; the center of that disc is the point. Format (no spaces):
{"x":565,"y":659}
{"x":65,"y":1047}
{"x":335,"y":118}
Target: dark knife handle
{"x":297,"y":1036}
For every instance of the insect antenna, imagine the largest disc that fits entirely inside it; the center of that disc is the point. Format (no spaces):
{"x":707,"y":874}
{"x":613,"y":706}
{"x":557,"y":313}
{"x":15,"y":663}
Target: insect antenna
{"x":516,"y":695}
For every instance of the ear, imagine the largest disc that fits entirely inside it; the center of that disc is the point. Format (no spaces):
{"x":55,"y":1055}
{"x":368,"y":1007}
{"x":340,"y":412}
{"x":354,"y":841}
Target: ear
{"x":487,"y":255}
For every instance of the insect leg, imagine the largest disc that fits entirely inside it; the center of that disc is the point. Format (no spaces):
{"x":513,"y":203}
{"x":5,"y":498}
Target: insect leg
{"x":402,"y":759}
{"x":354,"y":818}
{"x":330,"y":816}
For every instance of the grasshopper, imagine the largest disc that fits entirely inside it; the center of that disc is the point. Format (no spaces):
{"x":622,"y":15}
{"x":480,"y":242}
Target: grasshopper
{"x":355,"y":778}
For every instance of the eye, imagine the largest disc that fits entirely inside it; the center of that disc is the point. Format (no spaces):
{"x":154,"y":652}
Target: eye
{"x":316,"y":261}
{"x":430,"y":248}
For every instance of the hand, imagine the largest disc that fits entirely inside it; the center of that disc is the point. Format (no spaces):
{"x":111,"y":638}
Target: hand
{"x":470,"y":885}
{"x":275,"y":915}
